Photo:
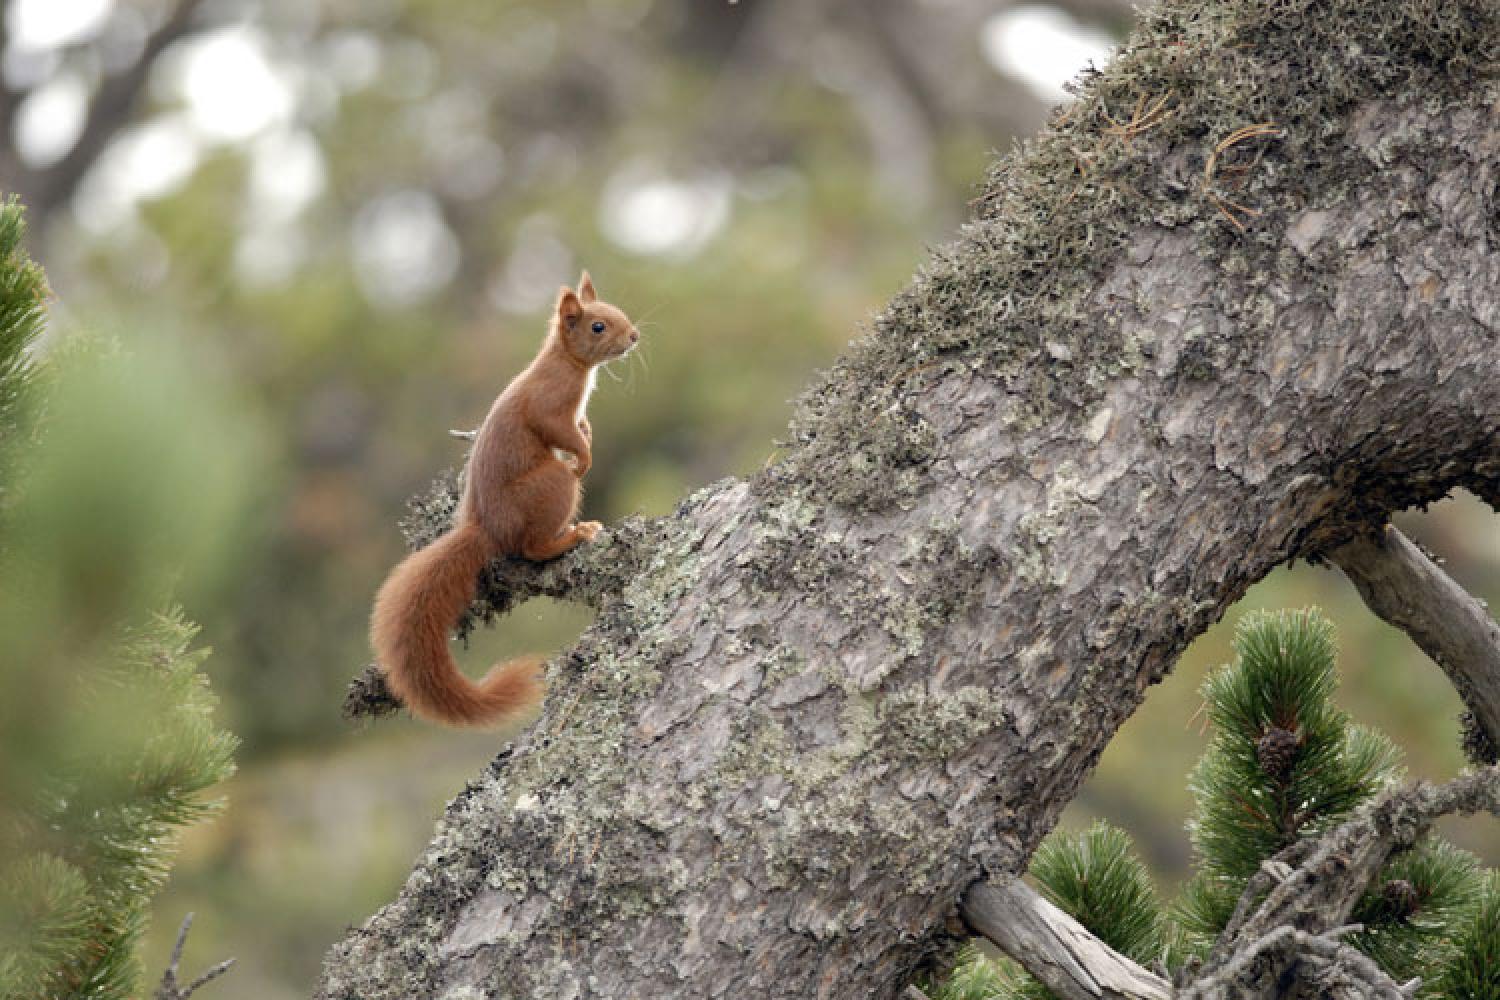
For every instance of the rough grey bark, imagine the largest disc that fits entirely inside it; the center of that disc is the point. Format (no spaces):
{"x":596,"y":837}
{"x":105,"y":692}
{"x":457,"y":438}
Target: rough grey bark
{"x":1170,"y":354}
{"x":1409,"y":590}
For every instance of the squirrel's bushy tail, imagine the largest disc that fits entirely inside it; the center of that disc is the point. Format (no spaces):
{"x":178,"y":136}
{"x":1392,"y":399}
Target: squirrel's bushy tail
{"x":415,"y":611}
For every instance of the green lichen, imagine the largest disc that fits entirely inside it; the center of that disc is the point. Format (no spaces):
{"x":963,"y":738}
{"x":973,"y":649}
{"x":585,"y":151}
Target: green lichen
{"x":928,"y":727}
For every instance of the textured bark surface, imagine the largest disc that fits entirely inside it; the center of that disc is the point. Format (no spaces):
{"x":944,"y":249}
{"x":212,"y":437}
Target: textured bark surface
{"x":1165,"y":358}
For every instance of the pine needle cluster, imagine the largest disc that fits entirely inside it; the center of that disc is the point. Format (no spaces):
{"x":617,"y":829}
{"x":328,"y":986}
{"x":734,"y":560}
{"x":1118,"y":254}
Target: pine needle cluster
{"x":1474,"y":971}
{"x":85,"y":856}
{"x":1284,"y":765}
{"x":110,"y":744}
{"x":1284,"y":762}
{"x":23,"y":293}
{"x":1095,"y":877}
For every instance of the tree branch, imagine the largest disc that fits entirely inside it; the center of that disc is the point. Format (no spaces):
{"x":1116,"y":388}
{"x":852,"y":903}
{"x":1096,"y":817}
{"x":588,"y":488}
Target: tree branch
{"x":1053,"y":947}
{"x":1410,"y":591}
{"x":816,"y":705}
{"x":1341,"y":972}
{"x":1319,"y":894}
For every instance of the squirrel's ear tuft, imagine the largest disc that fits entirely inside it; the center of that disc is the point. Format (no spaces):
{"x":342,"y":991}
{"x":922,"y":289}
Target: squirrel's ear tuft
{"x":569,"y":309}
{"x":586,"y":289}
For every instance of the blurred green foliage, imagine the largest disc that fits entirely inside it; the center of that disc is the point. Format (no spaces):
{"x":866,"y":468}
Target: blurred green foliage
{"x":23,"y":290}
{"x":107,"y":736}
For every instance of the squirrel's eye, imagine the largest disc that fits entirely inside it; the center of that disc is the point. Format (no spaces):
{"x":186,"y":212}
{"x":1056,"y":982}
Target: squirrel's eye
{"x":598,"y":326}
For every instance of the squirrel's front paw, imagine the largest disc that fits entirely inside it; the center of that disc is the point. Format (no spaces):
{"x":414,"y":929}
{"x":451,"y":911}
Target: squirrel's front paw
{"x":589,"y":529}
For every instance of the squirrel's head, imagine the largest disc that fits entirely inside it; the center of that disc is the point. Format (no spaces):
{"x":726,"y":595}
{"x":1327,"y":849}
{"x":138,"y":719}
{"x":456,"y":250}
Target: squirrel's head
{"x":592,"y":331}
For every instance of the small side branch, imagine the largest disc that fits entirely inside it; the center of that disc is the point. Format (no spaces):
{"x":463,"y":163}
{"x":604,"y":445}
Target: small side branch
{"x":368,"y":697}
{"x":1054,"y":947}
{"x":1340,"y":971}
{"x":1409,"y":590}
{"x":170,"y":988}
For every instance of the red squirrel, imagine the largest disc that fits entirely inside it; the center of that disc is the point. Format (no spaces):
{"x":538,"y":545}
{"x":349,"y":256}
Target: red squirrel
{"x":519,"y":499}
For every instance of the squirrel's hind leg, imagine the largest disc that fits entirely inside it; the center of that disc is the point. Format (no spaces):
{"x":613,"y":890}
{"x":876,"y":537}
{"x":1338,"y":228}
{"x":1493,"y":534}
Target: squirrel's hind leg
{"x":549,"y":495}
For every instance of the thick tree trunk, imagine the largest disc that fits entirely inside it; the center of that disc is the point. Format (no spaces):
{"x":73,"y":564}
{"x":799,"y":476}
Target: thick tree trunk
{"x":1171,"y":354}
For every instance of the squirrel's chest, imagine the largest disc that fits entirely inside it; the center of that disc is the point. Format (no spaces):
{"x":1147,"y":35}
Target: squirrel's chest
{"x":578,"y":411}
{"x":588,"y":390}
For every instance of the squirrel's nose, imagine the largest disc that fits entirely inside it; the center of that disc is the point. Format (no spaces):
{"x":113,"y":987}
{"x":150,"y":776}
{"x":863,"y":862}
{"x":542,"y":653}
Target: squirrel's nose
{"x":635,"y":335}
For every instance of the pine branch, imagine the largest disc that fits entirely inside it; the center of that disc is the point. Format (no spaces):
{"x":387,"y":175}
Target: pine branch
{"x":1285,"y":762}
{"x":1321,"y":892}
{"x":1410,"y":591}
{"x":1473,"y":971}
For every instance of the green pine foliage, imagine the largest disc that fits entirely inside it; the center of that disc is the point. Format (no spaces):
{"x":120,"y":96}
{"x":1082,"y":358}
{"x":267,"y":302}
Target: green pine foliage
{"x":89,"y":852}
{"x":1095,"y":878}
{"x":1412,"y":911}
{"x":108,"y":745}
{"x":1283,"y":681}
{"x":23,"y":292}
{"x":1284,"y":764}
{"x":976,"y":977}
{"x":1472,"y":971}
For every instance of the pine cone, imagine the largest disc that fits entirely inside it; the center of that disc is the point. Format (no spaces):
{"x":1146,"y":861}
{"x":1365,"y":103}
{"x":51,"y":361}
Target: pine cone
{"x":1400,"y":898}
{"x":1276,"y":750}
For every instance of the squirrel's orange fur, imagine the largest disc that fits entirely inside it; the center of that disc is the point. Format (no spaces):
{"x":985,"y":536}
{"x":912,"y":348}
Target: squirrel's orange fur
{"x":519,"y":498}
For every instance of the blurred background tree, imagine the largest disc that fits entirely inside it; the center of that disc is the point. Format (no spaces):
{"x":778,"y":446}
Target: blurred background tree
{"x":353,"y":215}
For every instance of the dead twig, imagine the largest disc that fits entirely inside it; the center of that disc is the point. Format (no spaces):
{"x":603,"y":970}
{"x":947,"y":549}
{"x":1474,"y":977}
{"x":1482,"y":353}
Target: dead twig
{"x":1052,"y":946}
{"x":1212,"y":168}
{"x":170,"y":989}
{"x":1145,"y":117}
